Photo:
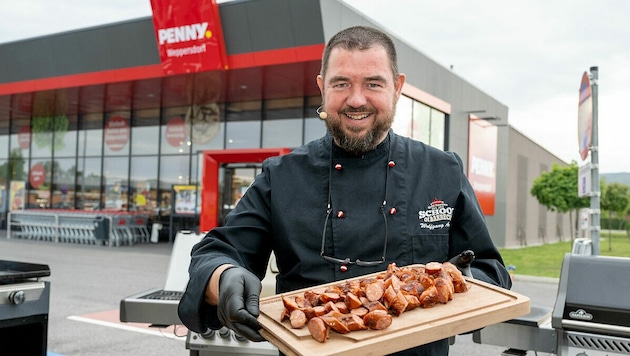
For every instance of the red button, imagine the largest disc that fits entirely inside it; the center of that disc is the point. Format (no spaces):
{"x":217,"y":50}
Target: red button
{"x":392,"y":211}
{"x":391,"y":164}
{"x":338,"y":166}
{"x":341,"y":214}
{"x":343,"y":268}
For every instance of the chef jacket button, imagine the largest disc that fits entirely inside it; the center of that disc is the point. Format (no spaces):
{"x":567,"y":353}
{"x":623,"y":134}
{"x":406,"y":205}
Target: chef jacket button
{"x":392,"y":211}
{"x":341,"y":214}
{"x":391,"y":164}
{"x":343,"y":268}
{"x":338,"y":166}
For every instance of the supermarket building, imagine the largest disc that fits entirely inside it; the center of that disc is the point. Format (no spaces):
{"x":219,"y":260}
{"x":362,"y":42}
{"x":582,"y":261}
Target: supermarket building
{"x":116,"y":117}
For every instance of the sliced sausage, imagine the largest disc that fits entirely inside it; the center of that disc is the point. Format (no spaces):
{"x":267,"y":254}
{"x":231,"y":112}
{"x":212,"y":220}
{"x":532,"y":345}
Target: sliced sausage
{"x":318,"y":329}
{"x":377,"y":320}
{"x":298,"y":319}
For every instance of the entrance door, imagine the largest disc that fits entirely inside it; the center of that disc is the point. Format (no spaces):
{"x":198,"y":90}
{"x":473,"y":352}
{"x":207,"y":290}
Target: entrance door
{"x":214,"y":204}
{"x":236,"y":178}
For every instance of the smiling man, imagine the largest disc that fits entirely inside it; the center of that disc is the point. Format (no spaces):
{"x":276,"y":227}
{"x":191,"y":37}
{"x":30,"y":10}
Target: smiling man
{"x":342,"y":206}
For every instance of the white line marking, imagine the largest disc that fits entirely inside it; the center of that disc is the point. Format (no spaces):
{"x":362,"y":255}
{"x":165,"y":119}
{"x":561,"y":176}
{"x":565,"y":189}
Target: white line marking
{"x":126,"y":327}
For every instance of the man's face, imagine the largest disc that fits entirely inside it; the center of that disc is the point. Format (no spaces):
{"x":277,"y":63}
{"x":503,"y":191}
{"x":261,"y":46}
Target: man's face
{"x":360,"y":95}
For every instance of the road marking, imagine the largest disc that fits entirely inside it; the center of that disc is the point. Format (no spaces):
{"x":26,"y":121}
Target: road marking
{"x":143,"y":330}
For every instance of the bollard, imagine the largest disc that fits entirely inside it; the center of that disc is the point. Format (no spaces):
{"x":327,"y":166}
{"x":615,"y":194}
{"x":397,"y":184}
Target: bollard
{"x":155,"y":232}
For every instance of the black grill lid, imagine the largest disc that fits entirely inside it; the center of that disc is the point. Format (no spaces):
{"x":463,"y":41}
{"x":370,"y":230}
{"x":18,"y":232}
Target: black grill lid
{"x":12,"y":271}
{"x":593,"y":289}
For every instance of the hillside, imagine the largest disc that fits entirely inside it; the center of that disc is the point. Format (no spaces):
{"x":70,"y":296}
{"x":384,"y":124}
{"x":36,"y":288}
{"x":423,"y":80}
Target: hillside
{"x":623,"y":178}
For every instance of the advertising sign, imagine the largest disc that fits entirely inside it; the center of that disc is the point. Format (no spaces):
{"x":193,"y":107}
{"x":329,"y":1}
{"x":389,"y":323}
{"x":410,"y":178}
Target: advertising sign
{"x":186,"y":202}
{"x":175,"y":132}
{"x":482,"y":159}
{"x":585,"y":116}
{"x":189,"y":35}
{"x":16,"y":195}
{"x":37,"y":175}
{"x":117,"y":133}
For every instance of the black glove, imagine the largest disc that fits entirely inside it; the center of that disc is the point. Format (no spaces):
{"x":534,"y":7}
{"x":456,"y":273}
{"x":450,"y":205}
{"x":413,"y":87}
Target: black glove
{"x":239,"y":297}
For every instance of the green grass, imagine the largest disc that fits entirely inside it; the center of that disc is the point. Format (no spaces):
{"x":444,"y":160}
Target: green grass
{"x":546,"y":260}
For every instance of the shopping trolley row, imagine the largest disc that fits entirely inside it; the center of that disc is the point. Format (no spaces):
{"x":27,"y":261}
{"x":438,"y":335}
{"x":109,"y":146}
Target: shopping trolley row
{"x":83,"y":227}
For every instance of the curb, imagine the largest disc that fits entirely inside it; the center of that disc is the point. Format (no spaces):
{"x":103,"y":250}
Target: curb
{"x":526,"y":278}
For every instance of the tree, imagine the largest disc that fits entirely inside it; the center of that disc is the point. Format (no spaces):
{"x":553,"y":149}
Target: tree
{"x":558,"y":190}
{"x":614,"y":199}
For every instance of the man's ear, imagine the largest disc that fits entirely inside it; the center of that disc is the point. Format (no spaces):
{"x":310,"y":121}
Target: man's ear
{"x":320,"y":84}
{"x":399,"y":83}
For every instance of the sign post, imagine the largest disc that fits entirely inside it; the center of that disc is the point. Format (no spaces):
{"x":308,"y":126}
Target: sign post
{"x":588,"y":141}
{"x":595,"y":193}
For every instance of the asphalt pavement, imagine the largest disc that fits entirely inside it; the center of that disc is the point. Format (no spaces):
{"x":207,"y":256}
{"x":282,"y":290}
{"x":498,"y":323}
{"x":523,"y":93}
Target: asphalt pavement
{"x":88,"y":283}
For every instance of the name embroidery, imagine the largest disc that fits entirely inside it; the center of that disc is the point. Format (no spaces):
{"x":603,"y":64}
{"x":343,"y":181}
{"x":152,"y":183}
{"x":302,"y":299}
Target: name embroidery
{"x":438,"y":215}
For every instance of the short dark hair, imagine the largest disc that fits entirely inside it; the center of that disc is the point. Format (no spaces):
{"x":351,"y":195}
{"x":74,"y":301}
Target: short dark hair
{"x":361,"y":38}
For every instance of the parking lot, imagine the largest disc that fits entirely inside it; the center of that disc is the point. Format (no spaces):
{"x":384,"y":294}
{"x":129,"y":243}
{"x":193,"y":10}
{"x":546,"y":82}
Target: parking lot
{"x":89,"y":281}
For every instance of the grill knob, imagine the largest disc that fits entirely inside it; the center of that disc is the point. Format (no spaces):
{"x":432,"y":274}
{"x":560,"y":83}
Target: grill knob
{"x":225,"y":332}
{"x":209,"y":334}
{"x":17,"y":297}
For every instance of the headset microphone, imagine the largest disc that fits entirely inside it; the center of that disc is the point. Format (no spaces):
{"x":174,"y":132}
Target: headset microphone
{"x":322,"y":114}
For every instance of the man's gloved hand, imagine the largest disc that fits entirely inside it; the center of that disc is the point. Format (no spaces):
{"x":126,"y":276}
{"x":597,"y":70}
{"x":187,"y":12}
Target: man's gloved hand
{"x":239,"y":297}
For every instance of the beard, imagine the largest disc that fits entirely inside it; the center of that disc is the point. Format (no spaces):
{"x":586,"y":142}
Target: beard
{"x":366,"y":142}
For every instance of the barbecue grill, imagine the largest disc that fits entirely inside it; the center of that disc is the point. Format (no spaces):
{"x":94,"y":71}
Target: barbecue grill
{"x":591,"y":315}
{"x":24,"y":304}
{"x":158,"y":306}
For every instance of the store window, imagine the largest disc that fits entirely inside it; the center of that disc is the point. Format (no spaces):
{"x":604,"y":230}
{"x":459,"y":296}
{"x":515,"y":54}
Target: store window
{"x":88,"y":191}
{"x":4,"y":138}
{"x":145,"y":132}
{"x":243,"y":125}
{"x":283,"y":124}
{"x":421,"y":122}
{"x":427,"y":125}
{"x":143,"y":187}
{"x":63,"y":183}
{"x":20,"y":141}
{"x":42,"y":134}
{"x":116,"y":183}
{"x":402,"y":121}
{"x":65,"y":140}
{"x":314,"y":127}
{"x":174,"y":169}
{"x":90,"y":141}
{"x":438,"y":129}
{"x":4,"y":186}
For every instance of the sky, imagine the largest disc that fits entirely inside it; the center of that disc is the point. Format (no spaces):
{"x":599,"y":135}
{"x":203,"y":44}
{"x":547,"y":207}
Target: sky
{"x":529,"y":55}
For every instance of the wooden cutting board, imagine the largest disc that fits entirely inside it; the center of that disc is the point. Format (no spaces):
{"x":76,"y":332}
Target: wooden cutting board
{"x":483,"y":305}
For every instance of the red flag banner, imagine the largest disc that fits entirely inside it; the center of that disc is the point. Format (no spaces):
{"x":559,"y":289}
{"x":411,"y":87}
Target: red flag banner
{"x":189,"y":35}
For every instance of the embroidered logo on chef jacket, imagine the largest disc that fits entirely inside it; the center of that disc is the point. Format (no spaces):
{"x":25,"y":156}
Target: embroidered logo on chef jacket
{"x":437,"y":216}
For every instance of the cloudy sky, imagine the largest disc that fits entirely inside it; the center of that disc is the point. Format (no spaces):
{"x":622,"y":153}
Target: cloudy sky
{"x":529,"y":55}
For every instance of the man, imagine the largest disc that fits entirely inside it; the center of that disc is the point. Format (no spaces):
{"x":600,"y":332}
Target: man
{"x":342,"y":206}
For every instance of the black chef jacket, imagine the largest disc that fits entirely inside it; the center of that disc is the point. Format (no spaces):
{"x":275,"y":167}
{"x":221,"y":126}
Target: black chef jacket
{"x":418,"y":194}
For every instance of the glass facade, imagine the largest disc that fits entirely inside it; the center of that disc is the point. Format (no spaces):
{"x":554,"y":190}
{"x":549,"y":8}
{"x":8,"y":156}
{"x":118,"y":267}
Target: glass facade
{"x":129,"y":159}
